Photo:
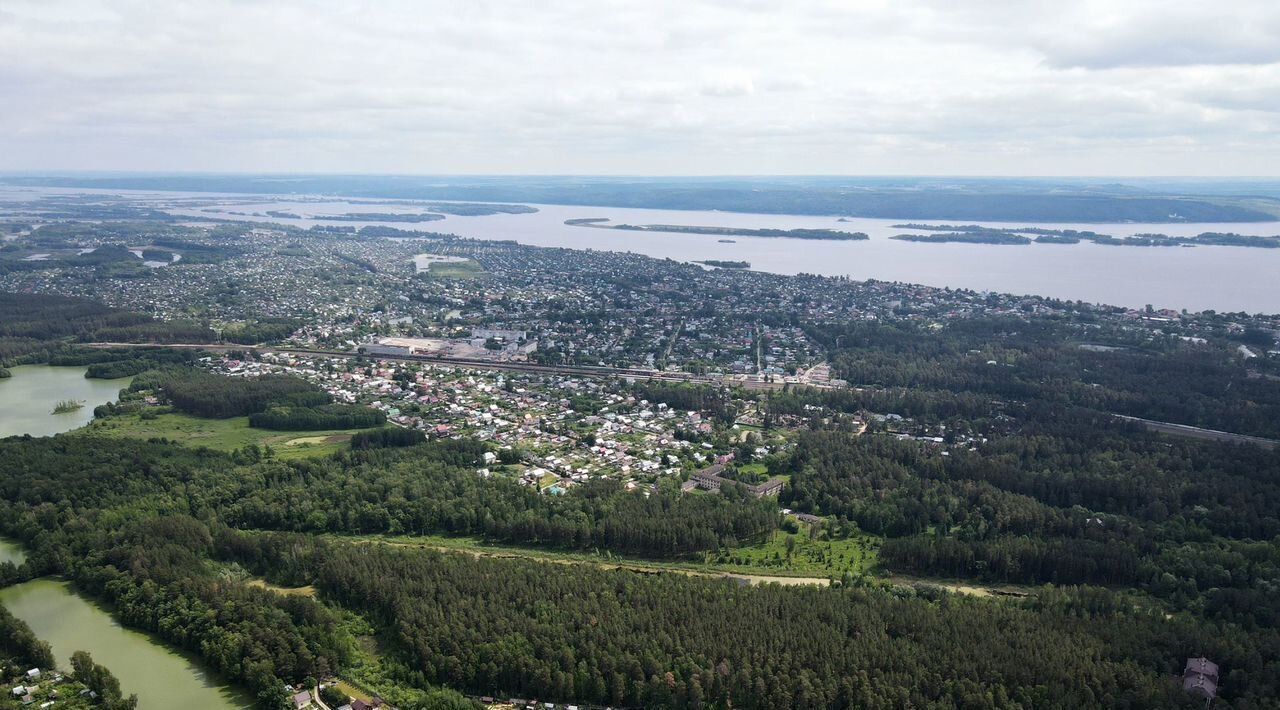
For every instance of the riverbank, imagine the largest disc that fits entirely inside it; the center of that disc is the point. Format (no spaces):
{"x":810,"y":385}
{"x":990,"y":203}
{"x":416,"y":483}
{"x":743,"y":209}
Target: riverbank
{"x":30,"y":399}
{"x":162,"y":677}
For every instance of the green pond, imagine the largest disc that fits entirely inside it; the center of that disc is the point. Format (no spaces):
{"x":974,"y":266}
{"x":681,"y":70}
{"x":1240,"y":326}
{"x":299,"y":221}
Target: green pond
{"x":11,"y":551}
{"x":28,"y":397}
{"x":162,"y":677}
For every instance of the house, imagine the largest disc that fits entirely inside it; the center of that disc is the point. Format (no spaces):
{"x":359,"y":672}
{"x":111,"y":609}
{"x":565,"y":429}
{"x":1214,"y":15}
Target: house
{"x":33,"y":674}
{"x":1201,"y":678}
{"x":302,"y":700}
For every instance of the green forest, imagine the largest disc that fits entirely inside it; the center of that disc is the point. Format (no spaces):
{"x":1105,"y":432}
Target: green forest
{"x":1132,"y":551}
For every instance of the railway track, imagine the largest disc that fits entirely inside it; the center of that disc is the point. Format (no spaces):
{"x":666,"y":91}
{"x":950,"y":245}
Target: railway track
{"x":476,"y":364}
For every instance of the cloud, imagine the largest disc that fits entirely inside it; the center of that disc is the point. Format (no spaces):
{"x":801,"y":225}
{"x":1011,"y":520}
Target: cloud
{"x":727,"y":86}
{"x":679,"y":86}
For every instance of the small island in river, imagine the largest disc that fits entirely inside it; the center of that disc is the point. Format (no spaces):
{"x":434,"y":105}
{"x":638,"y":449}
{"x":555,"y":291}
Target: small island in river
{"x":67,"y":406}
{"x":832,"y":234}
{"x":977,"y":234}
{"x":722,"y":264}
{"x":983,"y":237}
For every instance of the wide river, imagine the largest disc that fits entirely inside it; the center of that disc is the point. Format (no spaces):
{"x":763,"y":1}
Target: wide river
{"x":162,"y":677}
{"x":1220,"y":278}
{"x":28,"y":397}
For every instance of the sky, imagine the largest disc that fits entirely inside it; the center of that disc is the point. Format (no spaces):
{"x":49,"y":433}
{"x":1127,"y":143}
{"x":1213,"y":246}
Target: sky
{"x":650,"y":87}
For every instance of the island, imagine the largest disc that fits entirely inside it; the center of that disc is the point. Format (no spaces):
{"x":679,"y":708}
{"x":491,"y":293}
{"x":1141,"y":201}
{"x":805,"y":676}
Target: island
{"x":67,"y":406}
{"x":722,"y":264}
{"x":829,"y":234}
{"x":410,"y":217}
{"x":978,"y":234}
{"x":993,"y":236}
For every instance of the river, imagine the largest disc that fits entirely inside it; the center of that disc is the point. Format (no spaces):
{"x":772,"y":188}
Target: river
{"x":1219,"y":278}
{"x":28,"y":397}
{"x":162,"y":677}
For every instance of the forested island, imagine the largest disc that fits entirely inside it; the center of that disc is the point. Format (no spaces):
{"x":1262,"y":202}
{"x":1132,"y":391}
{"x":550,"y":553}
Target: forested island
{"x":831,"y":234}
{"x":974,"y":237}
{"x":977,"y":234}
{"x":723,"y":264}
{"x":381,"y":217}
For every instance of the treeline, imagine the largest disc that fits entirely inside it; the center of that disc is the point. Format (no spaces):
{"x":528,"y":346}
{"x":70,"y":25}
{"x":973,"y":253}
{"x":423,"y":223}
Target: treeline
{"x":48,"y":317}
{"x":926,"y":406}
{"x":99,"y":680}
{"x":434,"y":489}
{"x":328,"y":416}
{"x":34,"y":327}
{"x":387,"y":437}
{"x":21,"y":645}
{"x":1071,"y":498}
{"x":1015,"y":559}
{"x":1042,"y":360}
{"x":261,"y":331}
{"x":205,"y":394}
{"x":112,"y":363}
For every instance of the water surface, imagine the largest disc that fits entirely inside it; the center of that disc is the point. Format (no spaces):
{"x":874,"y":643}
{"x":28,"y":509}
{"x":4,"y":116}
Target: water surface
{"x":1220,"y":278}
{"x":28,"y":397}
{"x":162,"y":677}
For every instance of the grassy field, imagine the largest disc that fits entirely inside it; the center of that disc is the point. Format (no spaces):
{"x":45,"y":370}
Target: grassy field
{"x":812,"y":561}
{"x":797,"y":553}
{"x":454,"y":270}
{"x":222,"y":434}
{"x":307,"y":591}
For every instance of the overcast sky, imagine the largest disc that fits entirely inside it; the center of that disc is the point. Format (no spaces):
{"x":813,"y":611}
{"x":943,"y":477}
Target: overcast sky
{"x":982,"y":87}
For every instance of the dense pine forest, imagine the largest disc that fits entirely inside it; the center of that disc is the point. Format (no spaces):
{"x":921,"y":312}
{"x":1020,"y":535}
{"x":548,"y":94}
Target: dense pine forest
{"x":1041,"y":361}
{"x":145,"y":525}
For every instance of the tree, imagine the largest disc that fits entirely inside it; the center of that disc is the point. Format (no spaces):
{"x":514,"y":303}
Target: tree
{"x":100,"y":680}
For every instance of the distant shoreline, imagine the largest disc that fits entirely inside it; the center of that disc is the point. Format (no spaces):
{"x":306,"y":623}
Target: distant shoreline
{"x":1017,"y":236}
{"x":827,"y":234}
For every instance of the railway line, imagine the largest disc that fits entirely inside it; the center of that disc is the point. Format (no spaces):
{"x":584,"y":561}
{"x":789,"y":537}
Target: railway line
{"x":479,"y":364}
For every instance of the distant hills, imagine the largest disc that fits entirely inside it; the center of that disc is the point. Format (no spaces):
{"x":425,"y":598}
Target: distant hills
{"x":989,"y":199}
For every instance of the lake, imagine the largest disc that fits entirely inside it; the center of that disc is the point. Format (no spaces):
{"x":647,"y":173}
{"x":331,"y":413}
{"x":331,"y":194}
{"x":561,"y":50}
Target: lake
{"x":11,"y":551}
{"x":162,"y":677}
{"x":1220,"y":278}
{"x":28,"y":397}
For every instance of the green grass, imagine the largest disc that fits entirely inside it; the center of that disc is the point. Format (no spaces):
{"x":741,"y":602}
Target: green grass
{"x":454,"y":270}
{"x":822,"y":559}
{"x":222,"y":434}
{"x":758,"y":469}
{"x":817,"y":557}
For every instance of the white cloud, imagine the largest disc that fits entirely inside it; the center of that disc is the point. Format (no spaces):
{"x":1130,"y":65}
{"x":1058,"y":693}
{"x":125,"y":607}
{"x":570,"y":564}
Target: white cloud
{"x":666,"y":86}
